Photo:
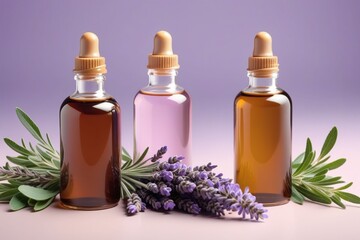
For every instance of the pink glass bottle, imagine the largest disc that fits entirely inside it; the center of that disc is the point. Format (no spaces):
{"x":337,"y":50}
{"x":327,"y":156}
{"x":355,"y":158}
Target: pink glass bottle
{"x":162,"y":109}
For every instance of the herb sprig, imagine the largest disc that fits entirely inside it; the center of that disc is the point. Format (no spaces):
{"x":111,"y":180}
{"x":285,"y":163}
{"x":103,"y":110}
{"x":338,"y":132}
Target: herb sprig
{"x":34,"y":182}
{"x":310,"y":180}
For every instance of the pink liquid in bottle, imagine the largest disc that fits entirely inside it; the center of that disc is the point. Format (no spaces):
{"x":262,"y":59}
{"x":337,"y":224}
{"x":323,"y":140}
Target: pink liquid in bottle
{"x":163,"y":120}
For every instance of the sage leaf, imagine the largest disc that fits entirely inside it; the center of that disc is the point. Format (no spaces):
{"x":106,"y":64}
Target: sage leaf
{"x":17,"y":202}
{"x":345,"y":186}
{"x":29,"y":125}
{"x":348,"y":197}
{"x":314,"y":195}
{"x":337,"y":201}
{"x":36,"y":193}
{"x":329,"y":143}
{"x":17,"y":148}
{"x":41,"y":205}
{"x":296,"y":196}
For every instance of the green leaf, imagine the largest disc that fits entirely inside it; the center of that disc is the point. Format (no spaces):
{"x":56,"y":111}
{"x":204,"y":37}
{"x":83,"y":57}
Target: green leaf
{"x":329,"y":143}
{"x":329,"y":166}
{"x":31,"y":202}
{"x":35,"y":193}
{"x":21,"y":161}
{"x":29,"y":125}
{"x":314,"y":178}
{"x":307,"y":158}
{"x":41,"y":205}
{"x":49,"y":142}
{"x":56,"y":163}
{"x":8,"y":194}
{"x":298,"y":159}
{"x":125,"y":153}
{"x":17,"y":148}
{"x":329,"y":181}
{"x":126,"y":159}
{"x":296,"y":197}
{"x":125,"y":190}
{"x":323,"y":172}
{"x":345,"y":186}
{"x":142,"y":156}
{"x":18,"y":201}
{"x":43,"y":153}
{"x":348,"y":197}
{"x":314,"y":195}
{"x":337,"y":201}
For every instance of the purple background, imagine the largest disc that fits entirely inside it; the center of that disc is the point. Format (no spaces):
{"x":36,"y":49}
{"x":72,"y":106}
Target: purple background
{"x":317,"y":43}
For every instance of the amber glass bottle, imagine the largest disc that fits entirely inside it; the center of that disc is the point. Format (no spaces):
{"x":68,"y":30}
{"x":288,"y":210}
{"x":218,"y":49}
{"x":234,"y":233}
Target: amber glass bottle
{"x":90,"y":138}
{"x":262,"y":126}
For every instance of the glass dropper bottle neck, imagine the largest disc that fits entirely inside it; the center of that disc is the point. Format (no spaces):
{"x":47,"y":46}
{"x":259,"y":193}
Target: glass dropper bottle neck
{"x":90,"y":87}
{"x":262,"y":85}
{"x":162,"y":81}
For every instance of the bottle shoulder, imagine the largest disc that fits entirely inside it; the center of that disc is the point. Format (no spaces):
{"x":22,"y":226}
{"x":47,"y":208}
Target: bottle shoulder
{"x":280,"y":97}
{"x":166,"y":94}
{"x":91,"y":105}
{"x":182,"y":97}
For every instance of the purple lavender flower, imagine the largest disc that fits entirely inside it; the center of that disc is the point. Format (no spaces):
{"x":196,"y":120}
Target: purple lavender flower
{"x":168,"y":204}
{"x":150,"y":199}
{"x":196,"y":189}
{"x":131,"y":209}
{"x":187,"y":205}
{"x":207,"y":167}
{"x":198,"y":175}
{"x":185,"y":187}
{"x":134,"y":204}
{"x":153,"y":187}
{"x":163,"y":166}
{"x":164,"y":189}
{"x":159,"y":154}
{"x":175,"y":159}
{"x":167,"y":176}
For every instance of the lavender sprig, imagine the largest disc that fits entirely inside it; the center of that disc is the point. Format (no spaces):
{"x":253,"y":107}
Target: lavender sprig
{"x":197,"y":189}
{"x":134,"y":204}
{"x":159,"y":154}
{"x":27,"y":176}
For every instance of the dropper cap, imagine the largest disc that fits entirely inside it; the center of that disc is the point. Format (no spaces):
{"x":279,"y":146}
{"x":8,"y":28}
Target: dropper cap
{"x":162,"y":56}
{"x":263,"y":63}
{"x":89,"y":60}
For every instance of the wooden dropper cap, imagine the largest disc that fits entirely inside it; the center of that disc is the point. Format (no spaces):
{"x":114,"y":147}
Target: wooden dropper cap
{"x":263,"y":63}
{"x":162,"y":56}
{"x":89,"y":61}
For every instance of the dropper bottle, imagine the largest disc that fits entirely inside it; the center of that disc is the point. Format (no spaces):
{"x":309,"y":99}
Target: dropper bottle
{"x":262,"y":129}
{"x":90,"y":135}
{"x":162,"y":109}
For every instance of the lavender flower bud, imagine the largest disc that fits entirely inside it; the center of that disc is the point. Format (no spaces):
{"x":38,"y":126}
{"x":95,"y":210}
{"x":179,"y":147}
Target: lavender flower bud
{"x":164,"y":166}
{"x":175,"y":159}
{"x":188,"y":205}
{"x":159,"y":154}
{"x":185,"y":187}
{"x":167,"y":176}
{"x":164,"y":189}
{"x":157,"y":176}
{"x":131,"y":209}
{"x":168,"y":204}
{"x":150,"y":199}
{"x":134,"y":204}
{"x":153,"y":187}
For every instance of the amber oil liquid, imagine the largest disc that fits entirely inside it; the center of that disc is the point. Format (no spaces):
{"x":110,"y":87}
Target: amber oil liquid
{"x":263,"y":145}
{"x":90,"y":148}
